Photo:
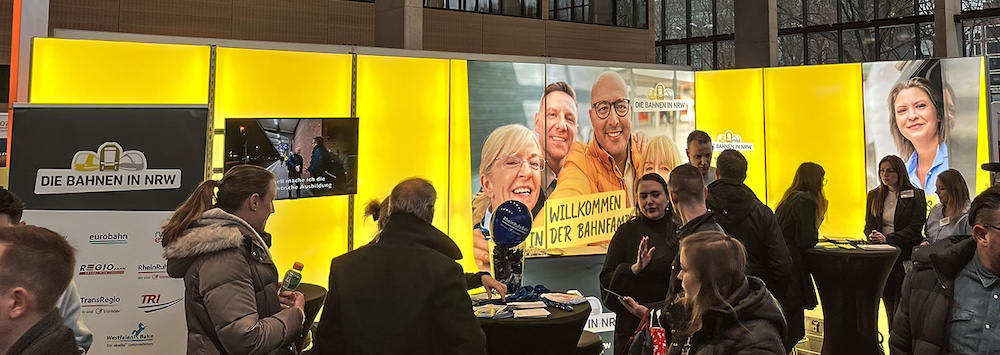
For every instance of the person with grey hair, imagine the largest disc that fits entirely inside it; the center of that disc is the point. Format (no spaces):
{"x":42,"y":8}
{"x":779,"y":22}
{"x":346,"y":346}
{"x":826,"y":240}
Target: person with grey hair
{"x":404,"y":293}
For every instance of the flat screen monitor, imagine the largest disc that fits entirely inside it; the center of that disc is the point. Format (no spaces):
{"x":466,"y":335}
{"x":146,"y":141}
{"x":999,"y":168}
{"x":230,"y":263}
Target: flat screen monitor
{"x":309,"y":157}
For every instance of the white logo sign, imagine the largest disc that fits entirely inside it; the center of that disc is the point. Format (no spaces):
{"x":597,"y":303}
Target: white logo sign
{"x":109,"y":169}
{"x":730,"y":140}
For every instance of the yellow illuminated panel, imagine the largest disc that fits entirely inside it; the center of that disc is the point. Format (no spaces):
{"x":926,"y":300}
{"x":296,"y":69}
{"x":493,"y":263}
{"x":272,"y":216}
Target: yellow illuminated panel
{"x":983,"y":139}
{"x":461,"y":163}
{"x":260,"y":84}
{"x":67,"y":71}
{"x":815,"y":113}
{"x":403,"y":108}
{"x":732,"y":101}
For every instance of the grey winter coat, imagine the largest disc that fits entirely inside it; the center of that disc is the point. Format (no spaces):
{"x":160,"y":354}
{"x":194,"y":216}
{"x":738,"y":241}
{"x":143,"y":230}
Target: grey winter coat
{"x":231,"y":288}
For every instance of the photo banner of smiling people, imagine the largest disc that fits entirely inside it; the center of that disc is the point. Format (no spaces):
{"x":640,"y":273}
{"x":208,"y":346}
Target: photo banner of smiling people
{"x":570,"y":142}
{"x":927,"y":113}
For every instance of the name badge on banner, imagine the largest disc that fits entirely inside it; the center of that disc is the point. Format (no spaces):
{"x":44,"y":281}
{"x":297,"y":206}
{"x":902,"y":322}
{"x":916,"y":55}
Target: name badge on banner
{"x":906,"y":194}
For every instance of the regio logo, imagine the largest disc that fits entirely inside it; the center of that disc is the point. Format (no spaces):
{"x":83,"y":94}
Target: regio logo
{"x":151,"y":303}
{"x":137,"y":337}
{"x":109,"y":238}
{"x":100,"y":305}
{"x":101,"y":269}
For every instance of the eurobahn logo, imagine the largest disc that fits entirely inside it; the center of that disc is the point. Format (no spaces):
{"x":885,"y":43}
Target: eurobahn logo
{"x":110,"y":238}
{"x":151,"y":303}
{"x":101,"y":269}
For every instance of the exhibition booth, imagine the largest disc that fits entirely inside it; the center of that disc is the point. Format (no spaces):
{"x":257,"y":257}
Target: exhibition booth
{"x":116,"y":134}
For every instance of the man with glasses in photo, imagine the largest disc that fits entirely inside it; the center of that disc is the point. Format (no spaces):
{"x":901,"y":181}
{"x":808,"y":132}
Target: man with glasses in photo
{"x":610,"y":161}
{"x":951,"y":299}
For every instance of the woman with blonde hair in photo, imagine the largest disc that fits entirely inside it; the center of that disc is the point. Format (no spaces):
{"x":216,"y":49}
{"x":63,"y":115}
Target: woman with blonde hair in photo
{"x":721,"y":309}
{"x":510,"y":169}
{"x":660,"y":156}
{"x":920,"y":126}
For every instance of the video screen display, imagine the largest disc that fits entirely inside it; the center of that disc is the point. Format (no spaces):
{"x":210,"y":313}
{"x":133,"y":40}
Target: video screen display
{"x":308,"y":156}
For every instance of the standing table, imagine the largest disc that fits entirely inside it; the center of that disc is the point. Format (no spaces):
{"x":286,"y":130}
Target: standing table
{"x":850,"y":286}
{"x":558,"y":333}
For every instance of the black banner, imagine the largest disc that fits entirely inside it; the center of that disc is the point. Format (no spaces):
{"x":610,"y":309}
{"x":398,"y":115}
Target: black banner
{"x":107,"y":158}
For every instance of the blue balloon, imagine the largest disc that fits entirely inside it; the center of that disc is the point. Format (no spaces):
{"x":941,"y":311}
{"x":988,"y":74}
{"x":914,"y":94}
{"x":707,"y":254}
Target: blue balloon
{"x":511,"y":224}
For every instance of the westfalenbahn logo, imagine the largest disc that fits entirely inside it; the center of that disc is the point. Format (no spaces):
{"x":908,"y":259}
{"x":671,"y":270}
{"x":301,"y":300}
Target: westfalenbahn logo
{"x":730,"y":140}
{"x":108,"y":169}
{"x":137,"y":337}
{"x":109,"y":238}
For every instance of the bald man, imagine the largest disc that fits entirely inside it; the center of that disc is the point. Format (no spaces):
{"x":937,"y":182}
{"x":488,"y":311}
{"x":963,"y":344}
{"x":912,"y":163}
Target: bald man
{"x":611,"y":160}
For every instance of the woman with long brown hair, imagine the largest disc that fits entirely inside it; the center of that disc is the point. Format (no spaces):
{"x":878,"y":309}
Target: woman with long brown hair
{"x":951,"y":215}
{"x":231,"y":297}
{"x":800,"y":212}
{"x":896,"y":212}
{"x":721,"y":309}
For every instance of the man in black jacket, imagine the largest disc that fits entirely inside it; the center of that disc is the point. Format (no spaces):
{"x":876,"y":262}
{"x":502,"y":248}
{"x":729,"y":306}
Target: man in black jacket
{"x":949,"y":301}
{"x":687,"y":194}
{"x":36,"y":266}
{"x":404,"y":294}
{"x":750,"y":221}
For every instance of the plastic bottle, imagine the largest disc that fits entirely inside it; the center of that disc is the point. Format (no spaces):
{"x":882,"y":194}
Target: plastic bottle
{"x":292,"y":278}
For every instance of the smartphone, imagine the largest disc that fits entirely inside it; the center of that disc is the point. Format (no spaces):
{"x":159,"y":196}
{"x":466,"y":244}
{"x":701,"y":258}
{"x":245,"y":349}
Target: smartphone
{"x":613,"y":293}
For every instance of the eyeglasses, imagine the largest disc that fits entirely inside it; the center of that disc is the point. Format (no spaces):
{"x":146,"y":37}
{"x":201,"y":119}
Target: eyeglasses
{"x":991,"y":227}
{"x":511,"y":162}
{"x":603,"y":108}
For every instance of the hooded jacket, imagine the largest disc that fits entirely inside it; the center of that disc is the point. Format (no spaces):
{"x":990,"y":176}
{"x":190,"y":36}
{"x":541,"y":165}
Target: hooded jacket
{"x":404,"y":294}
{"x":590,"y":169}
{"x":230,"y":288}
{"x":920,"y":325}
{"x":754,"y":325}
{"x":744,"y":217}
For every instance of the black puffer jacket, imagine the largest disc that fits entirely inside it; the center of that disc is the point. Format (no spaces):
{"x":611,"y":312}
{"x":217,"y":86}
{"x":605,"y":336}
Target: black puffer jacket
{"x":920,"y":324}
{"x":754,"y":325}
{"x":744,"y":217}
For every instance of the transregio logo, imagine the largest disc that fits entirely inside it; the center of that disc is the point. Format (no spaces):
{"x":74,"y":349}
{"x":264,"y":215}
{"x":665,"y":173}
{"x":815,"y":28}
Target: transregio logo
{"x":100,"y":304}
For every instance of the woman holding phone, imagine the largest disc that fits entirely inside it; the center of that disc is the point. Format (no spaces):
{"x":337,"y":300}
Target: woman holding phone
{"x":639,"y":257}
